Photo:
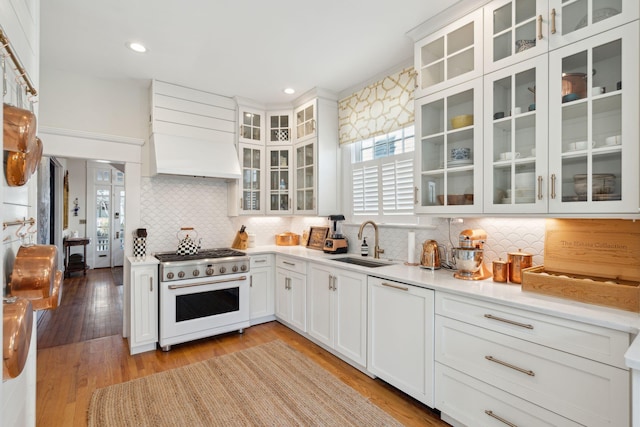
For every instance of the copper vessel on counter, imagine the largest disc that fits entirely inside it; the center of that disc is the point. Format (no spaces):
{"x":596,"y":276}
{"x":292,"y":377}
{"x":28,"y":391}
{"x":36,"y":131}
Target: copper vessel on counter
{"x":500,"y":270}
{"x":17,"y":324}
{"x":518,"y":261}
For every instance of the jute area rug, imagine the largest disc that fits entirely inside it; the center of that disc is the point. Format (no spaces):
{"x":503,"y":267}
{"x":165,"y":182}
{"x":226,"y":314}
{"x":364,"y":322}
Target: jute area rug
{"x":268,"y":385}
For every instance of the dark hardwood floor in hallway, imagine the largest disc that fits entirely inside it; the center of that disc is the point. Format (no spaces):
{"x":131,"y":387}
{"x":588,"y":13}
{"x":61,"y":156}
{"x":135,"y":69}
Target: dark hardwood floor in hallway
{"x":75,"y":361}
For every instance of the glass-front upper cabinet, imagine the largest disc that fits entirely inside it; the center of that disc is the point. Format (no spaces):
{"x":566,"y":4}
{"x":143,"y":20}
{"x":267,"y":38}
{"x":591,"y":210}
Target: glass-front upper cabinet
{"x":515,"y":143}
{"x":573,"y":20}
{"x":279,"y":170}
{"x":515,"y":30}
{"x":305,"y":121}
{"x":252,"y":126}
{"x":449,"y":151}
{"x":305,"y":178}
{"x":593,"y":138}
{"x":450,"y":56}
{"x":252,"y":164}
{"x":279,"y":124}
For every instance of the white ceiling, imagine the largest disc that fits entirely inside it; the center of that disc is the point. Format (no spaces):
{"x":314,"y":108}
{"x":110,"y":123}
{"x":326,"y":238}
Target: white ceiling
{"x":248,"y":48}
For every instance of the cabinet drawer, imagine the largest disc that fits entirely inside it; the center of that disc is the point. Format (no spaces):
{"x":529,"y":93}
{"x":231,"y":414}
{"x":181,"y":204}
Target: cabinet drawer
{"x":473,"y":402}
{"x":580,"y":389}
{"x":264,"y":260}
{"x":593,"y":342}
{"x":291,"y":264}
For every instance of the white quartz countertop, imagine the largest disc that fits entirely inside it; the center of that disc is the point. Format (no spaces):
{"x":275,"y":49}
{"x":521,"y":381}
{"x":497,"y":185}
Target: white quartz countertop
{"x":488,"y":290}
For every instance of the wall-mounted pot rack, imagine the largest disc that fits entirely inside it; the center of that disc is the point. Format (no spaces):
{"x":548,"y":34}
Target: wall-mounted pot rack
{"x":21,"y":222}
{"x":20,"y":70}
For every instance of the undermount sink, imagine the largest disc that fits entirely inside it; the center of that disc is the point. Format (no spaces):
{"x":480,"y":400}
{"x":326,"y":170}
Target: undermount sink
{"x":362,"y":262}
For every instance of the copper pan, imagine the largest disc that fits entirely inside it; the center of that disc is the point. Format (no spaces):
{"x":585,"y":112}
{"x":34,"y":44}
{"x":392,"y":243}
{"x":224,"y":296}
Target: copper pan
{"x":17,"y":172}
{"x":53,"y":301}
{"x":17,"y":324}
{"x":19,"y":129}
{"x":34,"y":272}
{"x":34,"y":156}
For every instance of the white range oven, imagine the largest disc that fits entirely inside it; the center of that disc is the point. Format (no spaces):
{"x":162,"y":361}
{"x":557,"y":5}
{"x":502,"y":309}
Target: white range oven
{"x":202,"y":295}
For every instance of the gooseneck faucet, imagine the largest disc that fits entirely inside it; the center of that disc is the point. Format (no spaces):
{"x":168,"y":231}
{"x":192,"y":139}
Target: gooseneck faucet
{"x":376,"y":249}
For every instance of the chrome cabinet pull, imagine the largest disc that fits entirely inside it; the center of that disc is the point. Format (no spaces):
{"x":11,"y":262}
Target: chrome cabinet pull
{"x":335,"y":287}
{"x":260,"y":260}
{"x":553,"y":185}
{"x":539,"y":27}
{"x":389,"y":285}
{"x":150,"y":284}
{"x":289,"y":263}
{"x":251,"y":282}
{"x":509,"y":365}
{"x":502,"y":420}
{"x":553,"y":21}
{"x":539,"y":187}
{"x":330,"y":282}
{"x":511,"y":322}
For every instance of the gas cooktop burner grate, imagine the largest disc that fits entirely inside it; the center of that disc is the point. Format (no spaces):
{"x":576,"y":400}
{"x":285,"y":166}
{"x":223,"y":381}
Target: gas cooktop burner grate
{"x":203,"y":254}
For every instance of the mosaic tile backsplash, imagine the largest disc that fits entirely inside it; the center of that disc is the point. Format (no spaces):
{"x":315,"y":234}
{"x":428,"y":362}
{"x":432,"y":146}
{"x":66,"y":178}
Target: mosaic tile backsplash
{"x":169,"y":203}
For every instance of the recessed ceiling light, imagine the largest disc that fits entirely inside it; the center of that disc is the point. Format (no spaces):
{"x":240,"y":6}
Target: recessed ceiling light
{"x":289,"y":91}
{"x":137,"y":47}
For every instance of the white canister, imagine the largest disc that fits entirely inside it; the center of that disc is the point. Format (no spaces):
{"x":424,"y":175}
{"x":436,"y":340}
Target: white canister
{"x":251,"y":240}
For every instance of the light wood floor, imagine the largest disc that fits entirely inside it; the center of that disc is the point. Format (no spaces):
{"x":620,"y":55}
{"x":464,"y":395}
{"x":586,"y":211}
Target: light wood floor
{"x":68,"y":373}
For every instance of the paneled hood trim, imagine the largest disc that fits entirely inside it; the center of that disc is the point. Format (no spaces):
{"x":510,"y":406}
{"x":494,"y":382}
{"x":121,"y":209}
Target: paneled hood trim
{"x":177,"y":155}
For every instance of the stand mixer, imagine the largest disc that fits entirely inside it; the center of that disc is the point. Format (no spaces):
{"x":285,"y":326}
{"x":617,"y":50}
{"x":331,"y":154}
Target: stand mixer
{"x":470,"y":255}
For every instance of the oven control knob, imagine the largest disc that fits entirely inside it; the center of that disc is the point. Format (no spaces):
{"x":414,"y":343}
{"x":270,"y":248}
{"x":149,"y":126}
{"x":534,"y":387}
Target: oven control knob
{"x":181,"y":274}
{"x":234,"y":268}
{"x":243,"y":267}
{"x":196,"y":273}
{"x":223,"y":270}
{"x":209,"y":271}
{"x":170,"y":276}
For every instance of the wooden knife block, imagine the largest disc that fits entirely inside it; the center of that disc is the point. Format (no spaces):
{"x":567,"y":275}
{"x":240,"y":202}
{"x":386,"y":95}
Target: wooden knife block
{"x":241,"y":240}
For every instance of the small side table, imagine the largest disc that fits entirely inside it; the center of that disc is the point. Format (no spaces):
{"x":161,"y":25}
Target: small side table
{"x":81,"y":265}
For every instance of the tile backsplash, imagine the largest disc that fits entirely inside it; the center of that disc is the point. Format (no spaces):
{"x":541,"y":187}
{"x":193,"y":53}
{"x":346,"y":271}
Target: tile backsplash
{"x":169,"y":203}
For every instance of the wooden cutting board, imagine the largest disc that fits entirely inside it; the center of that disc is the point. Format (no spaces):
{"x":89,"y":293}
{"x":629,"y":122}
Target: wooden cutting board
{"x":608,"y":248}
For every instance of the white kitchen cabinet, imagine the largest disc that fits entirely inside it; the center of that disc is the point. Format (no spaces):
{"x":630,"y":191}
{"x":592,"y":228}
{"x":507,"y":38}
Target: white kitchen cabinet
{"x":571,"y":21}
{"x":565,"y":367}
{"x":316,"y":153}
{"x":400,"y":337}
{"x":450,"y":56}
{"x":262,"y":295}
{"x":252,"y":165}
{"x":516,"y":138}
{"x":291,"y":292}
{"x":514,"y":31}
{"x":251,"y":125}
{"x":593,"y":140}
{"x":279,"y":125}
{"x":305,"y":117}
{"x":279,"y":177}
{"x":143,"y":292}
{"x":446,"y":181}
{"x":337,"y":310}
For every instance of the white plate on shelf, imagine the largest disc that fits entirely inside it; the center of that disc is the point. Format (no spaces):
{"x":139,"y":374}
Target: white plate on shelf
{"x":462,"y":162}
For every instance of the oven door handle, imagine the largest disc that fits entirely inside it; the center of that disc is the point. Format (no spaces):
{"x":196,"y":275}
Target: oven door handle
{"x":214,"y":282}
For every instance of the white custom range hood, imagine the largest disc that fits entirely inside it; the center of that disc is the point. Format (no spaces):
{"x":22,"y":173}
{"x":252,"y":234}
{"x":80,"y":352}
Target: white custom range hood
{"x":178,"y":155}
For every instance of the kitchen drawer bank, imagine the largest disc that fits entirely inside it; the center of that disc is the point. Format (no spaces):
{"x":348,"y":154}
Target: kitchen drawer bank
{"x":594,"y":333}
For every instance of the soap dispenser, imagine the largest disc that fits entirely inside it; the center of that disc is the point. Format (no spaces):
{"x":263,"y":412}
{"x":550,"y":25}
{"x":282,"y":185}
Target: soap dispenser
{"x":364,"y":248}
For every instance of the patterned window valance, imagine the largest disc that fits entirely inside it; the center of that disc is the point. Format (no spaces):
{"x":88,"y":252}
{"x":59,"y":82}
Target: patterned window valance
{"x":379,"y":108}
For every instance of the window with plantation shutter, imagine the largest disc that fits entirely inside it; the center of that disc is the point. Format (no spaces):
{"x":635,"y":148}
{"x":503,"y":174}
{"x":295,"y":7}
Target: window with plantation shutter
{"x":382,"y":174}
{"x":365,"y":190}
{"x":397,"y":185}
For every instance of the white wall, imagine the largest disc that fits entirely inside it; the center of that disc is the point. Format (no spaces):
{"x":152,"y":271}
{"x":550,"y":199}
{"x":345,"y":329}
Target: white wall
{"x":77,"y":169}
{"x":21,"y":24}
